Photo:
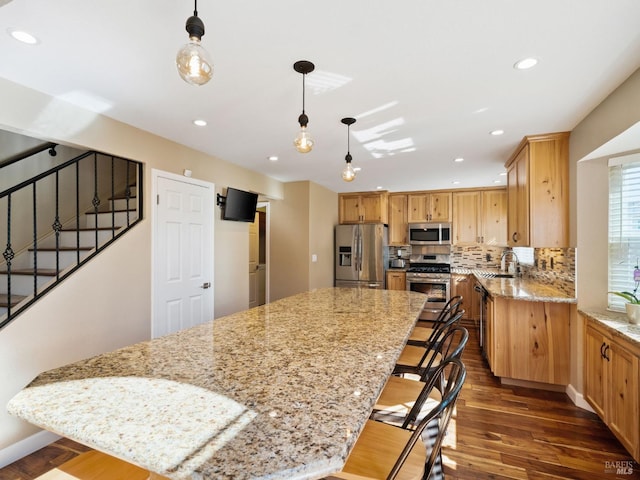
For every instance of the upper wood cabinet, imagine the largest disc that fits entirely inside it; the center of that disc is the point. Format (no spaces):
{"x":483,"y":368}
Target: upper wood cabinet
{"x":398,"y":227}
{"x":363,"y":207}
{"x":480,"y":217}
{"x":538,"y":192}
{"x":611,"y":382}
{"x":429,"y":207}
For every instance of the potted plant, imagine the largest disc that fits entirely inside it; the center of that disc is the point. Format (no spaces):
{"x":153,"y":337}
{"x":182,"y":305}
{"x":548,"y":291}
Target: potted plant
{"x":633,"y":303}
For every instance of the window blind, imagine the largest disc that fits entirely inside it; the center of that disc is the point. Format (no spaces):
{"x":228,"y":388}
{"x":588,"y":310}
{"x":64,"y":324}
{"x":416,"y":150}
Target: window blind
{"x":624,"y":227}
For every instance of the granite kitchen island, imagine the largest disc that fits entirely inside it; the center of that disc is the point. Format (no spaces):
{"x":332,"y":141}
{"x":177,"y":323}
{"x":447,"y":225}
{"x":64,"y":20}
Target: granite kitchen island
{"x":280,"y":391}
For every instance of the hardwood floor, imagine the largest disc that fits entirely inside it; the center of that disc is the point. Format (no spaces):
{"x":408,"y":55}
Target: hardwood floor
{"x":505,"y":432}
{"x":498,"y":432}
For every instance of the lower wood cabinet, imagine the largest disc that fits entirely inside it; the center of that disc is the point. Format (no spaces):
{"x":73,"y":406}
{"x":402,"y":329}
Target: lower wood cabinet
{"x":529,"y":340}
{"x":462,"y":285}
{"x":396,"y":280}
{"x":612,"y":383}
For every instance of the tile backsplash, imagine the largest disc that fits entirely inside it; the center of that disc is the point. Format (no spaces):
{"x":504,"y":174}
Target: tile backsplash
{"x":550,"y":266}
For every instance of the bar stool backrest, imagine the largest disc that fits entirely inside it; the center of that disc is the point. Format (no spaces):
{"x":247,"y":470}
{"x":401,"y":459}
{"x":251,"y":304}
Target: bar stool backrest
{"x":440,"y":414}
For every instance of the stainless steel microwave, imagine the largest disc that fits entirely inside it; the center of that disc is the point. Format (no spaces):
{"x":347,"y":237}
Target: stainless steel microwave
{"x":429,"y":234}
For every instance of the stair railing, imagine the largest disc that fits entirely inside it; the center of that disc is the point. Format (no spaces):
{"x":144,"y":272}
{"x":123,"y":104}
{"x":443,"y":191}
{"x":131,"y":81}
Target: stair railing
{"x":97,"y":176}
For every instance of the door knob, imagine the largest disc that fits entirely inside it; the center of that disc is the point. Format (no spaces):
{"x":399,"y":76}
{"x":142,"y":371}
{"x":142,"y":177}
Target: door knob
{"x":206,"y":285}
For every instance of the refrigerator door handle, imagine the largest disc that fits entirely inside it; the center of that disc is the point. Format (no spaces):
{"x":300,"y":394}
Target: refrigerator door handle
{"x":360,"y":248}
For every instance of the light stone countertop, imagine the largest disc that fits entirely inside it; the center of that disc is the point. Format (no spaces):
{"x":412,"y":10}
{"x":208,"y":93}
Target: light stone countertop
{"x":280,"y":391}
{"x":616,"y":323}
{"x":517,"y":288}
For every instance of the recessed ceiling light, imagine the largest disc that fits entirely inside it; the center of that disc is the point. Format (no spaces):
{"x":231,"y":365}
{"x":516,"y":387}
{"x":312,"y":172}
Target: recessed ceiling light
{"x":200,"y":123}
{"x":357,"y":169}
{"x":23,"y":37}
{"x":495,"y":133}
{"x":525,"y":63}
{"x":497,"y":181}
{"x":379,"y":187}
{"x":456,"y":182}
{"x":503,"y":174}
{"x":273,"y":158}
{"x":458,"y":160}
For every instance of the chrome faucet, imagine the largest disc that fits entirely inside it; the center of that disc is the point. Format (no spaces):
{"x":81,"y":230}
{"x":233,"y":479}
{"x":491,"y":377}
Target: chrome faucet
{"x":514,"y":261}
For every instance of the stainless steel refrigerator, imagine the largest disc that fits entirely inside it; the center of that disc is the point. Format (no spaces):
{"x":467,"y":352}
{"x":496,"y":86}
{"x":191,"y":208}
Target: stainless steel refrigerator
{"x":361,"y":255}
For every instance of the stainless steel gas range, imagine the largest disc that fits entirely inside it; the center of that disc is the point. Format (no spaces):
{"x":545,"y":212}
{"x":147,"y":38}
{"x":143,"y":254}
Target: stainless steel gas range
{"x":430,"y":274}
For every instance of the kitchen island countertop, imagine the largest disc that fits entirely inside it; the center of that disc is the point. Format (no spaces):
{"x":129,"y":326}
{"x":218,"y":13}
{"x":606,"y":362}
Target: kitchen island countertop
{"x":279,"y":391}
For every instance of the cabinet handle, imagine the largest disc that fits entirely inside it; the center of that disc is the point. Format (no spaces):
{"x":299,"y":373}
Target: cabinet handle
{"x":514,"y":237}
{"x":605,"y":353}
{"x":602,"y":349}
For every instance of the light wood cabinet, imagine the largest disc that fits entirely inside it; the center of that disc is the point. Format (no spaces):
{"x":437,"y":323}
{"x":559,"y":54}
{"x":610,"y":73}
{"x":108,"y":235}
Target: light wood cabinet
{"x":396,"y":280}
{"x":466,"y":218}
{"x":529,"y":340}
{"x":538,"y":192}
{"x":480,"y":217}
{"x":493,"y":217}
{"x":611,"y":383}
{"x":489,"y":333}
{"x":463,"y":285}
{"x":363,"y":207}
{"x":429,"y":207}
{"x":398,"y":226}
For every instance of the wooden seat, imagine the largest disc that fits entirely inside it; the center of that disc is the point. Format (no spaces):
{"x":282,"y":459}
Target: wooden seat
{"x":424,"y":329}
{"x":384,"y":451}
{"x":397,"y":401}
{"x":419,"y":359}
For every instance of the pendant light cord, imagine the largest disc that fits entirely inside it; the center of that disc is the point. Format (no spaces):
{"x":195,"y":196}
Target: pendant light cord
{"x":195,"y":8}
{"x":303,"y":82}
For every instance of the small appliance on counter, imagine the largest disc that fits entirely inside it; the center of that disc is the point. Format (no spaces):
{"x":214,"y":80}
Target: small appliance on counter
{"x":397,"y":263}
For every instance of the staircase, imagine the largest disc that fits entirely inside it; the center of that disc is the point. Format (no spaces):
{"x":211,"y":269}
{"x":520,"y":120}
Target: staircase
{"x":54,"y":254}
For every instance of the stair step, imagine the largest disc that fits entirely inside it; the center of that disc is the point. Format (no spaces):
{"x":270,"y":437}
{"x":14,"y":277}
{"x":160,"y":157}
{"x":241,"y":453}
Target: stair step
{"x":110,"y":210}
{"x":122,"y":196}
{"x":89,"y":229}
{"x":15,"y":299}
{"x":44,"y":272}
{"x":62,"y":249}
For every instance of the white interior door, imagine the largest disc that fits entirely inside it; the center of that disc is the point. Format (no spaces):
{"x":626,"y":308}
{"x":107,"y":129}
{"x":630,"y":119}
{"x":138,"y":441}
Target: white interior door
{"x":183,"y":253}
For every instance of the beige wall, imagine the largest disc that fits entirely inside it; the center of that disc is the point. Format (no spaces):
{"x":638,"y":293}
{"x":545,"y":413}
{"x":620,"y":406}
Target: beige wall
{"x":323,"y":216}
{"x":617,"y":113}
{"x":301,"y":226}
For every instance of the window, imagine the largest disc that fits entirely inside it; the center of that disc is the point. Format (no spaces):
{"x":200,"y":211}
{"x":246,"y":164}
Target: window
{"x":624,"y":226}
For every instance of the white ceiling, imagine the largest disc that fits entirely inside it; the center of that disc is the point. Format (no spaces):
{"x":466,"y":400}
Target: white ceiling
{"x":427,"y":80}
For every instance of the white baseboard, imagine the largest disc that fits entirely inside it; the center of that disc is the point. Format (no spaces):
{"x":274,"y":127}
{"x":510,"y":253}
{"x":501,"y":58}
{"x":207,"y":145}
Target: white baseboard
{"x":578,"y":399}
{"x":24,"y":447}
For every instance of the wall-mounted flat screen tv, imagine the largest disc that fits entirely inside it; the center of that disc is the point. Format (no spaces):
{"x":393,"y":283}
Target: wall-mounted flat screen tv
{"x":240,"y":206}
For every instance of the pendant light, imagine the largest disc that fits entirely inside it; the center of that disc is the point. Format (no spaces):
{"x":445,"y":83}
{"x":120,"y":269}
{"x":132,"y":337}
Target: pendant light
{"x":348,"y":174}
{"x":193,"y":61}
{"x":303,"y":142}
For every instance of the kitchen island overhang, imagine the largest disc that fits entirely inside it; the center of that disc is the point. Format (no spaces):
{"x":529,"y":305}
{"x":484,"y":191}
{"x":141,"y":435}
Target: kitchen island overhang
{"x":278,"y":391}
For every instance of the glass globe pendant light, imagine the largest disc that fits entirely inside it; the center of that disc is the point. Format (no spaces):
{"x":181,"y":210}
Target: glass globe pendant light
{"x":303,"y":142}
{"x":348,"y":174}
{"x":193,"y":61}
